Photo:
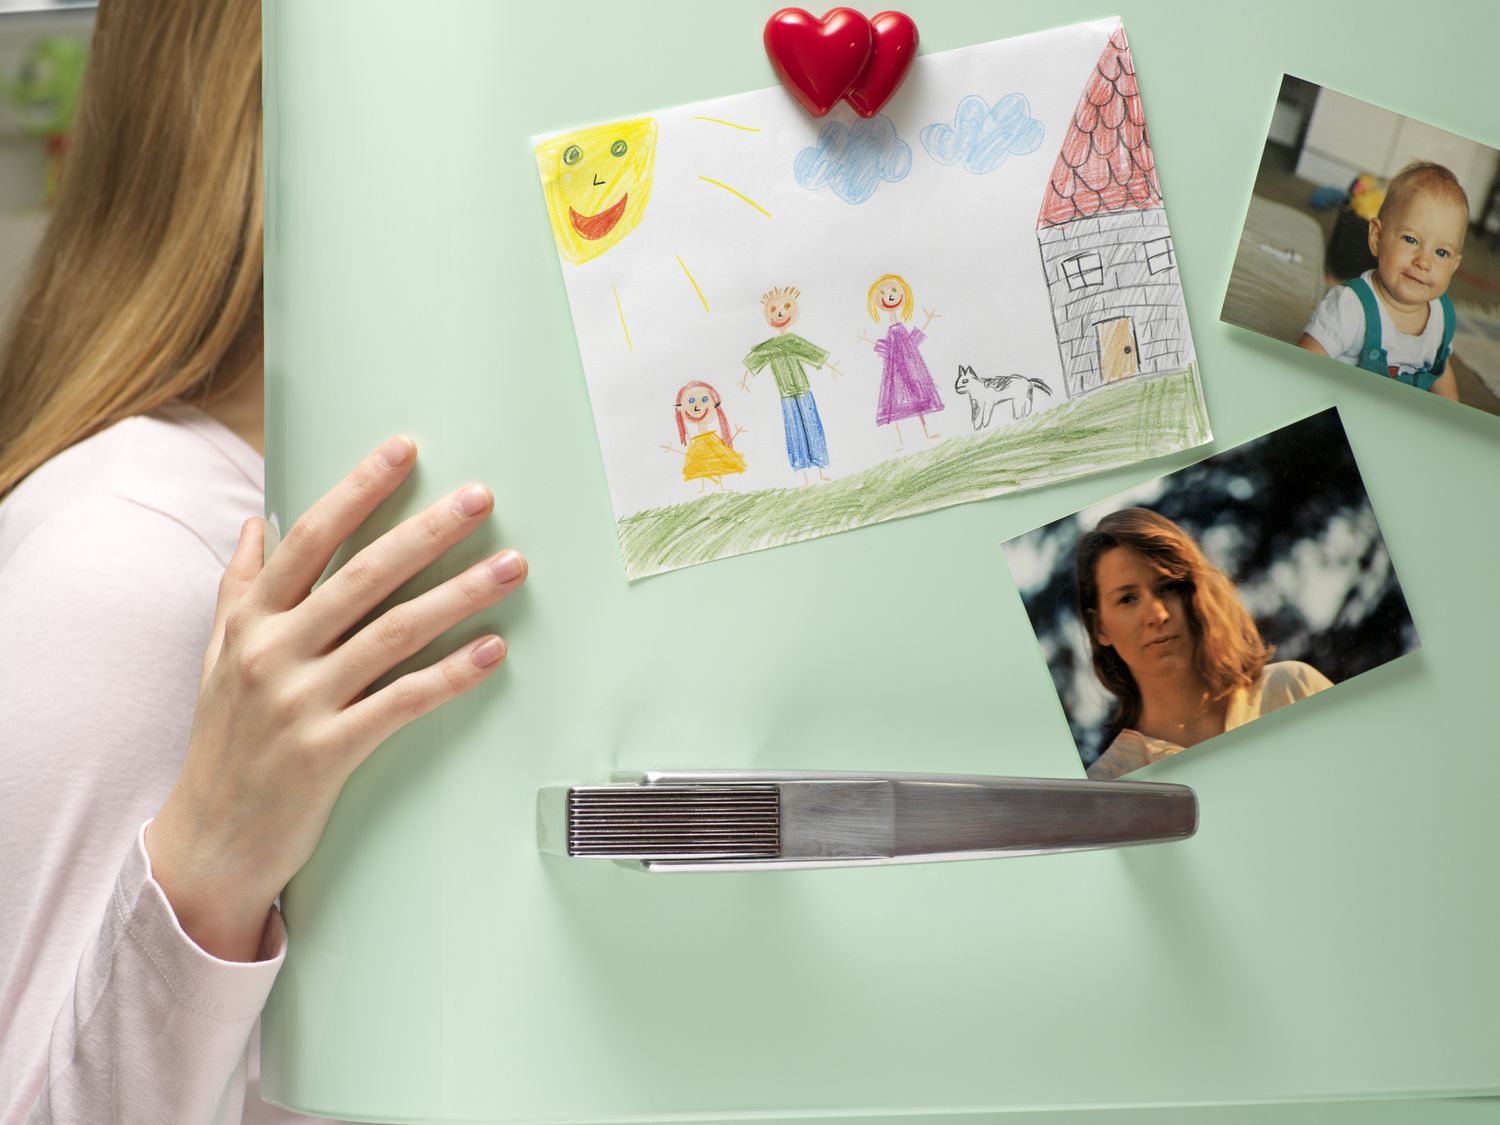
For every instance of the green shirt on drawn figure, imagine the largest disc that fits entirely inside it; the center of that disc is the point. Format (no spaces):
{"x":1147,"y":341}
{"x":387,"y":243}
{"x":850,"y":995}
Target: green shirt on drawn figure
{"x":787,"y":354}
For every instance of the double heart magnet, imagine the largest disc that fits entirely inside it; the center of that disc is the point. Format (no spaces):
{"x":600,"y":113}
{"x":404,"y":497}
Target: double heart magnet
{"x":843,"y":55}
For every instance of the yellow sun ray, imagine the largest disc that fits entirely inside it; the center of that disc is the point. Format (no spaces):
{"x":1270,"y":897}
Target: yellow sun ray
{"x":693,"y":281}
{"x":740,"y":194}
{"x":731,"y":124}
{"x":621,"y":311}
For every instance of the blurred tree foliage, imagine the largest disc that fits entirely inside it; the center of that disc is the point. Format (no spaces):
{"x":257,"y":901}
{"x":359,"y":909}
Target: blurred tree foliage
{"x":1287,"y":517}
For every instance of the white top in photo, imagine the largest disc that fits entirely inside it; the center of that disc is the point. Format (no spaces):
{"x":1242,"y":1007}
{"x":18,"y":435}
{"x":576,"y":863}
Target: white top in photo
{"x":1338,"y":325}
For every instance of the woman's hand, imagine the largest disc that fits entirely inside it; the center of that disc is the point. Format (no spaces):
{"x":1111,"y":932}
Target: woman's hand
{"x":283,"y":718}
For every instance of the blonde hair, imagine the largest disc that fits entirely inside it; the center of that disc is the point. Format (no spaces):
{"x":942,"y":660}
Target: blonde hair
{"x":1423,"y":176}
{"x":780,"y":293}
{"x":147,"y":284}
{"x":906,"y":303}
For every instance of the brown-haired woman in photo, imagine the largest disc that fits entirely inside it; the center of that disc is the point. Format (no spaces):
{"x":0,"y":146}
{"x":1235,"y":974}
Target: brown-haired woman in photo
{"x":1172,"y":642}
{"x":161,"y":796}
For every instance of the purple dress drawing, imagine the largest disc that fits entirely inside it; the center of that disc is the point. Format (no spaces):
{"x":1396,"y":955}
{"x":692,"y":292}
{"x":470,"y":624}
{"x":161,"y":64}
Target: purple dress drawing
{"x":906,"y":386}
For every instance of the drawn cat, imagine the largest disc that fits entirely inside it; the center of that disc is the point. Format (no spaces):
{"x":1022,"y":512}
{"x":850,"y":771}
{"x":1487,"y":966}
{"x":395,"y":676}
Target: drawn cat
{"x":987,"y":393}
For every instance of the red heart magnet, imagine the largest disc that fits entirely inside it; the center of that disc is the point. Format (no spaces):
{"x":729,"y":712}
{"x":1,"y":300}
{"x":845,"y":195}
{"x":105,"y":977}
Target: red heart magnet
{"x":895,"y":47}
{"x":818,"y":60}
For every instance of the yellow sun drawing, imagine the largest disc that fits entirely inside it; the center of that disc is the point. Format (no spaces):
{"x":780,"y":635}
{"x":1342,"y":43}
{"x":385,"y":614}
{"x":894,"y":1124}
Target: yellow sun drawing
{"x":597,"y":183}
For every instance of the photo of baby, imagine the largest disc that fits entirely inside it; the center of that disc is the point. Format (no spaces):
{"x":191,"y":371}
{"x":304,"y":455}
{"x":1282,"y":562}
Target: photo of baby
{"x":1372,"y":239}
{"x":1396,"y":319}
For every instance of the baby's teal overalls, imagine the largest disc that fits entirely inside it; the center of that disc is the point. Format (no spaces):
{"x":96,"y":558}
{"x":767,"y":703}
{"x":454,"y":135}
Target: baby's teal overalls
{"x":1372,"y":356}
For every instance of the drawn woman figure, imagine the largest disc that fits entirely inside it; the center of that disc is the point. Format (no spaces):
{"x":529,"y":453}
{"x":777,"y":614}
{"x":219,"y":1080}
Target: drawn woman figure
{"x":906,"y":386}
{"x":710,"y":455}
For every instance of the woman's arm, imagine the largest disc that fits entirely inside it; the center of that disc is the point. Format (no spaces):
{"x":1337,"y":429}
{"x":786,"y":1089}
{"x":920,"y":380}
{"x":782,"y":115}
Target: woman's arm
{"x":283,"y":719}
{"x":105,"y":607}
{"x":150,"y":1011}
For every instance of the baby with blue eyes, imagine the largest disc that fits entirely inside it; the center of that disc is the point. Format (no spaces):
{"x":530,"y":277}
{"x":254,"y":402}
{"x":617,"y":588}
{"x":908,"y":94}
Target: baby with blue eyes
{"x":1397,"y":319}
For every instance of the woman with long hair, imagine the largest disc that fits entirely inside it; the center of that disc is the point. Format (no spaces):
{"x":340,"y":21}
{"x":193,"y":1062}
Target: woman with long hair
{"x":159,"y":796}
{"x":1172,"y":642}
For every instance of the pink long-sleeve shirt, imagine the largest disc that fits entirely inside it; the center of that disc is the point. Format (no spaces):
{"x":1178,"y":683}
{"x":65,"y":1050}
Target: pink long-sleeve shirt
{"x":110,"y":559}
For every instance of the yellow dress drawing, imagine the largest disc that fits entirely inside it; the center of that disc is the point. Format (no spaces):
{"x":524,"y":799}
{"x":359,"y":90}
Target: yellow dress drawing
{"x":708,"y":457}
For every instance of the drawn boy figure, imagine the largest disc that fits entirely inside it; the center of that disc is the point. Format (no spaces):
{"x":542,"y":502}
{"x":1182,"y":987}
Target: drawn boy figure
{"x":787,"y":354}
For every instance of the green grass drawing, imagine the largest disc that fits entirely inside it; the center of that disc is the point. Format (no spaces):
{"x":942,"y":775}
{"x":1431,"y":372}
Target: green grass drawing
{"x":1145,"y":417}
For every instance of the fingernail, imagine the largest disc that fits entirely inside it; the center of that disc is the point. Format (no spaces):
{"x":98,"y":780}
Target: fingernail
{"x":507,"y":567}
{"x":395,"y":452}
{"x":473,"y":500}
{"x":487,"y":652}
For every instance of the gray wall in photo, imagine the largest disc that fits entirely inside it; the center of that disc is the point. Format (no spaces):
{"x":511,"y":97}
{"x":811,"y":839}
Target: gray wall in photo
{"x":1153,"y":301}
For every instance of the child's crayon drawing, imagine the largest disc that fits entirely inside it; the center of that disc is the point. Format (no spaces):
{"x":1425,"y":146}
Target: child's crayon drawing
{"x":598,"y":182}
{"x":986,"y":393}
{"x":1106,"y":251}
{"x":855,"y":159}
{"x":906,"y":386}
{"x":789,"y":356}
{"x":981,"y":136}
{"x":710,"y":454}
{"x":1074,"y":360}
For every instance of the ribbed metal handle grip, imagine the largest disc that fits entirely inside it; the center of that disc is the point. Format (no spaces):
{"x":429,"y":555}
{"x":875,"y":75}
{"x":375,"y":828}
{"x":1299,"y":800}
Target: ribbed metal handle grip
{"x":721,"y":821}
{"x":675,"y":821}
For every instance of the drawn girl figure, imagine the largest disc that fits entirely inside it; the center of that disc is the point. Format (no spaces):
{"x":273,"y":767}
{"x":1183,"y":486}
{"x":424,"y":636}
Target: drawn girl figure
{"x":906,"y":386}
{"x":710,"y":455}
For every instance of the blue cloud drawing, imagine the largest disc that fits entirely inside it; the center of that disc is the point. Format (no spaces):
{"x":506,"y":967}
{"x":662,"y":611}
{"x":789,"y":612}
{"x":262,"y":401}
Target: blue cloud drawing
{"x":853,"y":160}
{"x":981,"y":136}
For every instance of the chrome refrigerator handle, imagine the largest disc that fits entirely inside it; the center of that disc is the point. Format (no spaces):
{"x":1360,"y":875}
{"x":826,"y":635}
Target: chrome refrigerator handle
{"x":755,"y":821}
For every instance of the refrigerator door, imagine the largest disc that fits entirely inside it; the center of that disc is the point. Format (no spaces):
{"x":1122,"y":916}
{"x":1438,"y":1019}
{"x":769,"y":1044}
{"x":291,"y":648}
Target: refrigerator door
{"x":1328,"y":932}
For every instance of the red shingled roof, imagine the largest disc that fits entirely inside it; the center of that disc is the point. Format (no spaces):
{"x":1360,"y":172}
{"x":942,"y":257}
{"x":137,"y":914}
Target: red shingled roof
{"x":1105,"y":163}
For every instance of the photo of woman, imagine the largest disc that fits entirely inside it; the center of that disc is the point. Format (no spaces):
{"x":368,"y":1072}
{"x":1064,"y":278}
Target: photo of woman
{"x":1195,"y":604}
{"x":1172,"y":642}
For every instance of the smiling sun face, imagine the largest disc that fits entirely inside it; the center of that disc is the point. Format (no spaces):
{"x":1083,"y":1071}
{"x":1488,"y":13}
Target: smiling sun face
{"x":597,"y":183}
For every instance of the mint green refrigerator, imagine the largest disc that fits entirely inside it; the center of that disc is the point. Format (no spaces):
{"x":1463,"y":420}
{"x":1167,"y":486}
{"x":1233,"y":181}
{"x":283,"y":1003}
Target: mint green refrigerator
{"x":1327,"y":936}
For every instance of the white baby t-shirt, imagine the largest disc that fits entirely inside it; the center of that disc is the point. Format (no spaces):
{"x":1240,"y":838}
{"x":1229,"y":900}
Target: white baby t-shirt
{"x":1338,"y":325}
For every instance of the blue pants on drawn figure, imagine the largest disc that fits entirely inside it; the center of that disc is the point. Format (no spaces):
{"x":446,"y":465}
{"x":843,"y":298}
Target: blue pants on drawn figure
{"x":806,"y":446}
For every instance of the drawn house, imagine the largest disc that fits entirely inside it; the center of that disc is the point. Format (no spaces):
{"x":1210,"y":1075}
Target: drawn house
{"x":1110,"y":267}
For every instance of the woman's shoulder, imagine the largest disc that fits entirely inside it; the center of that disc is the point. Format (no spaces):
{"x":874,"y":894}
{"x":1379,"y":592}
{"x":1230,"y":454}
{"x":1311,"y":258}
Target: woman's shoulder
{"x":1287,"y":681}
{"x":114,"y":547}
{"x":106,"y":571}
{"x":1128,"y":751}
{"x":174,"y":467}
{"x":1293,"y":671}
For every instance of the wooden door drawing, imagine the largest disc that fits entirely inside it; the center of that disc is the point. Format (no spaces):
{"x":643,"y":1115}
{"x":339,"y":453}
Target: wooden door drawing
{"x":1119,"y":355}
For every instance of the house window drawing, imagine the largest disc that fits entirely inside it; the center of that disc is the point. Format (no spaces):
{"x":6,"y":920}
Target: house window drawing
{"x":1106,"y":251}
{"x":1083,"y":270}
{"x":1159,"y":257}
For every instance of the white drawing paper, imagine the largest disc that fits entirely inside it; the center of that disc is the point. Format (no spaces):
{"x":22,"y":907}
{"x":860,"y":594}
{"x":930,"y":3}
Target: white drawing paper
{"x":792,"y":326}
